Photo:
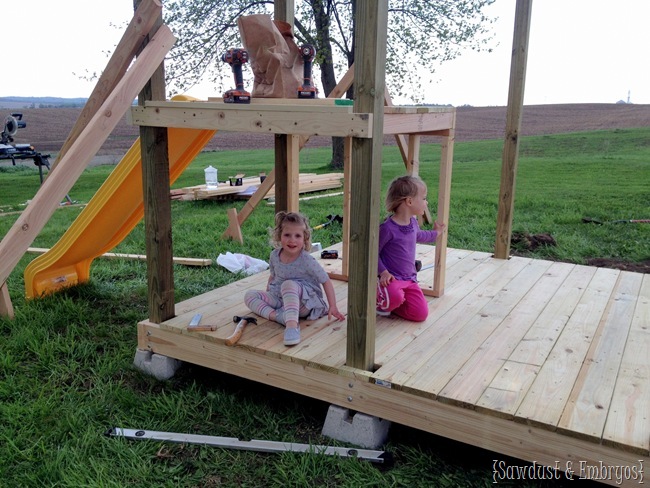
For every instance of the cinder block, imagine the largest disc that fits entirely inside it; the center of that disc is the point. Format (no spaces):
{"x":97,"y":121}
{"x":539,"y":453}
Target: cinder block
{"x":360,"y":429}
{"x":159,"y":366}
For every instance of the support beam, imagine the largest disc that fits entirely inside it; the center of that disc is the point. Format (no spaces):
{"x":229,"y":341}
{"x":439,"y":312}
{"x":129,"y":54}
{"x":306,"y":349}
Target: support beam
{"x":444,"y":197}
{"x":513,"y":128}
{"x":157,"y":204}
{"x":369,"y":87}
{"x":283,"y":10}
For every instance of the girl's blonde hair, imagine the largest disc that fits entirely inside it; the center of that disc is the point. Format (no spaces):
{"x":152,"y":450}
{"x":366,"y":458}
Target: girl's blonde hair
{"x":282,"y":218}
{"x":400,"y":189}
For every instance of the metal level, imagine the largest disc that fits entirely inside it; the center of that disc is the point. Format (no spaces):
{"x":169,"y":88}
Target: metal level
{"x":380,"y":457}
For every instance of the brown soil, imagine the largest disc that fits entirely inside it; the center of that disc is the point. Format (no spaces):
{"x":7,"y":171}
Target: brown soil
{"x":48,"y":128}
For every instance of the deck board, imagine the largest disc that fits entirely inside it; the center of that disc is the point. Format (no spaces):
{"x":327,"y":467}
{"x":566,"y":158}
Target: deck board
{"x":400,"y":368}
{"x":545,"y":401}
{"x":557,"y":351}
{"x":590,"y":399}
{"x":452,"y":356}
{"x":473,"y":378}
{"x":628,"y":419}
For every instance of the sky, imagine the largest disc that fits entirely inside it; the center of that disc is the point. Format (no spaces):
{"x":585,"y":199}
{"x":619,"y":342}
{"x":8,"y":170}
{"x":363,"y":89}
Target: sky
{"x":580,"y":51}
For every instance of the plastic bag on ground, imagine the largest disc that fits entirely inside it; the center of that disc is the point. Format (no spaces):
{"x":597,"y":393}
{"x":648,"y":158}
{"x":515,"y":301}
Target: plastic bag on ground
{"x":241,"y":263}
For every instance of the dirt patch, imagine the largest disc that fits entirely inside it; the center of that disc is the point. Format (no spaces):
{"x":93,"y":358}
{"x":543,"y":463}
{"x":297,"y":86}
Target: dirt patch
{"x":640,"y":267}
{"x":524,"y":242}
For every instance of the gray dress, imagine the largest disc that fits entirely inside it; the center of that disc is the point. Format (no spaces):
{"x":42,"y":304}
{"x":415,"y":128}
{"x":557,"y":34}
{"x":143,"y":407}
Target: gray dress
{"x":305,"y":271}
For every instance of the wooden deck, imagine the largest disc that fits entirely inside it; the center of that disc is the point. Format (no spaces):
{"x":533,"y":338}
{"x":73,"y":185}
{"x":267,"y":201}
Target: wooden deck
{"x":534,"y":359}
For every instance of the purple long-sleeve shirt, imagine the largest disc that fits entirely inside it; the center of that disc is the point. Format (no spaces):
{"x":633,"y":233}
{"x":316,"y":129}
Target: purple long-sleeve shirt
{"x":397,"y":247}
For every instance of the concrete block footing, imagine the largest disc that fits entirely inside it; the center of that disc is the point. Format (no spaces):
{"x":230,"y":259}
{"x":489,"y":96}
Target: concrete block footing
{"x":159,"y":366}
{"x":359,"y":429}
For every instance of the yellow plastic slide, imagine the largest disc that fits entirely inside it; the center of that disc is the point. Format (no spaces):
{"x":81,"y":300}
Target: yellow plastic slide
{"x":111,"y":214}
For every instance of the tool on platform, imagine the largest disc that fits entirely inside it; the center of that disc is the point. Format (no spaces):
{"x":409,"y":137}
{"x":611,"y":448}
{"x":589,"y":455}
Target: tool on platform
{"x":329,"y":254}
{"x":195,"y":324}
{"x":307,"y":89}
{"x":380,"y":457}
{"x":239,"y":328}
{"x":236,"y":57}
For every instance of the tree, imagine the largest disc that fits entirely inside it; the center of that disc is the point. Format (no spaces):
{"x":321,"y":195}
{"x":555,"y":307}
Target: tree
{"x":421,"y":34}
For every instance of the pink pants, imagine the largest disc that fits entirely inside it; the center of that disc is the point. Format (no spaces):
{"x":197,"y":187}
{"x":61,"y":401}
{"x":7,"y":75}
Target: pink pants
{"x":407,"y":300}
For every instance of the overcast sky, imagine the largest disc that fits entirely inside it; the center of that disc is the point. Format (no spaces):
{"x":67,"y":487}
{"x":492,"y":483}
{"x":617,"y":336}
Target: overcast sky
{"x":581,"y":51}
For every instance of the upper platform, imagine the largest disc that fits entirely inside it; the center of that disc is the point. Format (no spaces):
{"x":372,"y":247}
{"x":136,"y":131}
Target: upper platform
{"x":322,"y":117}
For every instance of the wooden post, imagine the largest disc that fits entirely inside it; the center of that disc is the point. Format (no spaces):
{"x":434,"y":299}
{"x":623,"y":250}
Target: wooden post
{"x":293,"y":172}
{"x":347,"y":183}
{"x":513,"y":127}
{"x":281,"y":174}
{"x":282,"y":10}
{"x":444,"y":196}
{"x":369,"y":88}
{"x":157,"y":204}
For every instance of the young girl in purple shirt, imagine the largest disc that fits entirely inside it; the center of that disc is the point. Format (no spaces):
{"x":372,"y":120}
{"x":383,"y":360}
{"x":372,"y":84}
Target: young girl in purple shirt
{"x":397,"y":288}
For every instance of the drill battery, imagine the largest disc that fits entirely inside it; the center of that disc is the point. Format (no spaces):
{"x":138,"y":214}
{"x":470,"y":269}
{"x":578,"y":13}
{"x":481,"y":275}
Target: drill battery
{"x":329,"y":254}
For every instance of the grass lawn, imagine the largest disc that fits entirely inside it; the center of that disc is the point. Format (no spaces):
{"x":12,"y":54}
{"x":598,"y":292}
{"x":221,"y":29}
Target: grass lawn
{"x":66,"y":360}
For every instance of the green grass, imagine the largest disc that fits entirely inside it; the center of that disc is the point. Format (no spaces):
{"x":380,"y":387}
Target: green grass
{"x":66,"y":360}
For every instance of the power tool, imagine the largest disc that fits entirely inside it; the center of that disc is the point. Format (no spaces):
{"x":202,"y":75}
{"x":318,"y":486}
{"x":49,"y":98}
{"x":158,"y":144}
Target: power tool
{"x":307,"y":89}
{"x":236,"y":57}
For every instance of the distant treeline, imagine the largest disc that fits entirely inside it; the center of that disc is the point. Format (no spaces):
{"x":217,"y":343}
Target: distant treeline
{"x":41,"y":102}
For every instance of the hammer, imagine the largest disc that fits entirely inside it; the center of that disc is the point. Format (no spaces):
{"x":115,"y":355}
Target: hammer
{"x":330,"y":218}
{"x":239,"y":328}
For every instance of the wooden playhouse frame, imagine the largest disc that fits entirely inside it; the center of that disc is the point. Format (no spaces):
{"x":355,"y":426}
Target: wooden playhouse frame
{"x":541,"y":361}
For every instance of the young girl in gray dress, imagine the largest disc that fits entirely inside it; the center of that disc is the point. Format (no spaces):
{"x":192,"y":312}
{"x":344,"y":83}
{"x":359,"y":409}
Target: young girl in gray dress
{"x":294,"y":288}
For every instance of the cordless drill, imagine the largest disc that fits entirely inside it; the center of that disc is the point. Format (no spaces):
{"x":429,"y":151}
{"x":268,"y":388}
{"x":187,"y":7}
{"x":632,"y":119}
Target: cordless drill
{"x":307,"y":89}
{"x":235,"y":57}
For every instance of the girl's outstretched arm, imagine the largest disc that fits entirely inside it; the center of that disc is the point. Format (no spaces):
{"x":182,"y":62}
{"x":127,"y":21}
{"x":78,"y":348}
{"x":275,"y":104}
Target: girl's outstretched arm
{"x":331,"y":301}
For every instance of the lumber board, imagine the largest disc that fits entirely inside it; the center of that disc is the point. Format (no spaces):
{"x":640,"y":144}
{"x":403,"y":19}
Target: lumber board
{"x":588,"y":405}
{"x":240,"y":118}
{"x":473,"y":377}
{"x":536,"y":345}
{"x":135,"y":257}
{"x":628,"y":422}
{"x":399,"y":369}
{"x":507,"y":322}
{"x":508,"y":388}
{"x":447,"y":360}
{"x":443,"y":208}
{"x":315,"y":105}
{"x":352,"y":388}
{"x":550,"y":391}
{"x":390,"y":344}
{"x":307,"y":183}
{"x":418,"y":123}
{"x":185,"y":309}
{"x":56,"y":186}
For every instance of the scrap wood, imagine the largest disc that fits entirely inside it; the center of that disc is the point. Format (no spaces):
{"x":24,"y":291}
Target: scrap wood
{"x":308,"y":182}
{"x":136,"y":257}
{"x":67,"y":205}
